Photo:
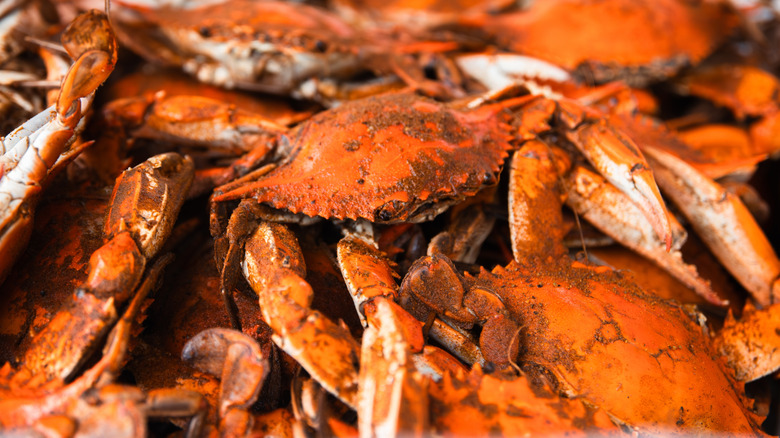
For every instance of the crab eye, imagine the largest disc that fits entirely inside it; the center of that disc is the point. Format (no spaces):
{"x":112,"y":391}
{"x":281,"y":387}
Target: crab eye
{"x":389,"y":211}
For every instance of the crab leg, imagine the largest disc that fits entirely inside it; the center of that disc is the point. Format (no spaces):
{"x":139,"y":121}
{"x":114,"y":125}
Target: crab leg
{"x":191,"y":119}
{"x":367,"y":273}
{"x":391,"y":394}
{"x":274,"y":267}
{"x":723,"y":223}
{"x":535,"y":218}
{"x":194,"y":121}
{"x":458,"y":343}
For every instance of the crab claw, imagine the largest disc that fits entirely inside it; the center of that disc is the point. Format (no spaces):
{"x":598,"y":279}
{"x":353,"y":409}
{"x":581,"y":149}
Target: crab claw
{"x":607,"y":208}
{"x":619,"y":160}
{"x":238,"y":359}
{"x":392,"y":395}
{"x":324,"y":349}
{"x":723,"y":223}
{"x":89,"y":40}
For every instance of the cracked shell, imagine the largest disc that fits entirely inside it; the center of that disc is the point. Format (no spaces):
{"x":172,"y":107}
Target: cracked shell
{"x":389,"y":158}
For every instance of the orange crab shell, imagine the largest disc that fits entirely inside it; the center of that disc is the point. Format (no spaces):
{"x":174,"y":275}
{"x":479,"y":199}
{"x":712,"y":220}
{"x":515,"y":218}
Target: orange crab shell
{"x":480,"y":404}
{"x":390,"y":158}
{"x":617,"y":37}
{"x":415,"y":14}
{"x":242,"y":20}
{"x":643,"y":359}
{"x":744,"y":89}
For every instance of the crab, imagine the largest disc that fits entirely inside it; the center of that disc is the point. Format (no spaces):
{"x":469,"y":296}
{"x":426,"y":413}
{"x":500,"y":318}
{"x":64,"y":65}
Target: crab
{"x":32,"y":152}
{"x":283,"y":48}
{"x":145,"y":203}
{"x":586,"y":356}
{"x":673,"y":34}
{"x":457,"y":157}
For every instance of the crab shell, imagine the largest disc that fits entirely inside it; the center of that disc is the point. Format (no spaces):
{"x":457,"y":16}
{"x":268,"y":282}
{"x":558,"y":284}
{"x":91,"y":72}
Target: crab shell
{"x":268,"y":46}
{"x":412,"y":15}
{"x":617,"y":39}
{"x":643,"y":359}
{"x":390,"y":158}
{"x":481,"y":404}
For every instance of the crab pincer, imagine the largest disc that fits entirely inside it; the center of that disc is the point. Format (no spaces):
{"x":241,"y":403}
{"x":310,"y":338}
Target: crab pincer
{"x":144,"y":206}
{"x":724,"y":224}
{"x":237,"y":359}
{"x":90,"y":41}
{"x":391,"y":393}
{"x":32,"y":151}
{"x":620,"y":161}
{"x":274,"y":267}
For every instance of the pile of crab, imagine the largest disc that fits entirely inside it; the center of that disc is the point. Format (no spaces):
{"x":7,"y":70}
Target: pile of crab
{"x":380,"y":219}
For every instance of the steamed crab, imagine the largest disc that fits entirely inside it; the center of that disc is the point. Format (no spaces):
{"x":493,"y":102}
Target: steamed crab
{"x":609,"y":51}
{"x":283,"y":48}
{"x":588,"y":356}
{"x":349,"y":163}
